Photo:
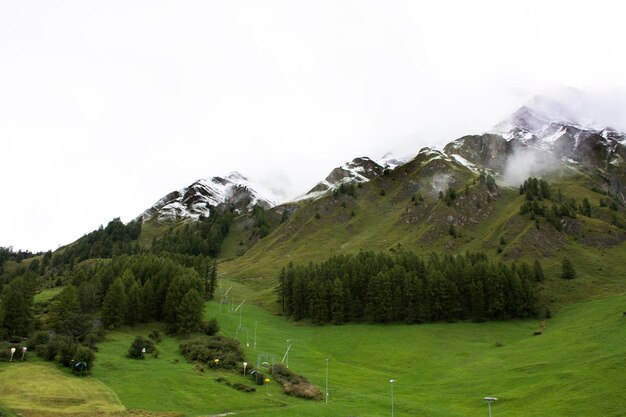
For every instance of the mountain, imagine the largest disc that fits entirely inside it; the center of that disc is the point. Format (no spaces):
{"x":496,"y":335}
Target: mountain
{"x":359,"y":170}
{"x":234,"y":192}
{"x":543,"y":135}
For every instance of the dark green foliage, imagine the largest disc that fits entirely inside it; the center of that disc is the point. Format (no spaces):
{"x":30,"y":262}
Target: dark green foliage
{"x":261,"y":225}
{"x":585,"y":208}
{"x":538,"y":272}
{"x":237,"y":385}
{"x":537,"y":191}
{"x":567,"y":269}
{"x":206,"y":349}
{"x":145,"y":288}
{"x":85,"y":356}
{"x":155,"y":335}
{"x":403,"y":287}
{"x":210,"y":327}
{"x":452,"y":231}
{"x":203,"y":237}
{"x":180,"y":286}
{"x":349,"y":189}
{"x":115,"y":307}
{"x":294,"y":384}
{"x":317,"y":215}
{"x":189,"y":313}
{"x":139,"y":344}
{"x":450,"y":196}
{"x":113,"y":240}
{"x":16,"y":305}
{"x":383,"y":192}
{"x":491,"y":183}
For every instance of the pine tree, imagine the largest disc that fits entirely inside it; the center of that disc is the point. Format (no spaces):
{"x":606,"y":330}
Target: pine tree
{"x":134,"y":312}
{"x":567,"y":269}
{"x":189,"y":313}
{"x":337,"y":303}
{"x":16,"y":305}
{"x":538,"y":272}
{"x":115,"y":305}
{"x":213,"y":280}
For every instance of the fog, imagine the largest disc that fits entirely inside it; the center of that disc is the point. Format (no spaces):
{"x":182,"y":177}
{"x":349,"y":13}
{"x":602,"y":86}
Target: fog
{"x":524,"y":163}
{"x":107,"y":106}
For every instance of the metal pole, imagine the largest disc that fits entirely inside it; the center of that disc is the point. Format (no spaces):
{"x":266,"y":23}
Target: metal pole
{"x":489,"y":405}
{"x":255,"y":323}
{"x":326,"y":380}
{"x":391,"y":381}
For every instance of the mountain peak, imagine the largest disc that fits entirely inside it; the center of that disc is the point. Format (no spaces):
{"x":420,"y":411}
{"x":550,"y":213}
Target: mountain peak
{"x":232,"y":192}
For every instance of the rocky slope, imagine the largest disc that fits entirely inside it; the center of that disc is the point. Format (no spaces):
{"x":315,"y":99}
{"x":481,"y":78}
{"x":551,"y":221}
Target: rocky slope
{"x":233,"y":191}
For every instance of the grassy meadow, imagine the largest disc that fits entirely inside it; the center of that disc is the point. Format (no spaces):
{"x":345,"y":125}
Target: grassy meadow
{"x":441,"y":369}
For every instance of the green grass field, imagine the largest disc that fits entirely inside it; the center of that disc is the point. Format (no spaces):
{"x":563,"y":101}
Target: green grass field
{"x":442,"y":369}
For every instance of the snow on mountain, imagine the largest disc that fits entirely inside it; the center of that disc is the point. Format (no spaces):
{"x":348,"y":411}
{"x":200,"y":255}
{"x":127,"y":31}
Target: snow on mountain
{"x":360,"y":169}
{"x":391,"y":160}
{"x":231,"y":192}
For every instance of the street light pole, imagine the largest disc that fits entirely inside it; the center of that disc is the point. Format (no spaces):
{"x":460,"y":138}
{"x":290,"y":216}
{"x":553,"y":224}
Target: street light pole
{"x":255,"y":323}
{"x":327,"y":380}
{"x":489,"y":401}
{"x":391,"y":381}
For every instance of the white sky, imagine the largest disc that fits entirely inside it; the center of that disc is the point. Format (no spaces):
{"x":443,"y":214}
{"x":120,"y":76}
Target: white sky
{"x":105,"y":106}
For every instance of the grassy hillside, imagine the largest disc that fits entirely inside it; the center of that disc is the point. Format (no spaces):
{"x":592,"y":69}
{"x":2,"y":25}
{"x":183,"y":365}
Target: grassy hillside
{"x":442,"y":369}
{"x":411,"y":214}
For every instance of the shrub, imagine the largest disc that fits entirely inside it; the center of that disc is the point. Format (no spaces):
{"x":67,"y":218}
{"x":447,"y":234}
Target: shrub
{"x":136,"y":348}
{"x":38,"y":338}
{"x":206,"y":349}
{"x":294,"y":384}
{"x":210,"y":327}
{"x":85,"y":355}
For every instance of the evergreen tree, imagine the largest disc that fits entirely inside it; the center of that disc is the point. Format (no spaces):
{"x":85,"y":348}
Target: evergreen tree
{"x":16,"y":305}
{"x":337,"y":302}
{"x":183,"y":282}
{"x":135,"y":309}
{"x":66,"y":315}
{"x":115,"y":305}
{"x":567,"y":269}
{"x":538,"y":272}
{"x":212,"y":284}
{"x":189,"y":313}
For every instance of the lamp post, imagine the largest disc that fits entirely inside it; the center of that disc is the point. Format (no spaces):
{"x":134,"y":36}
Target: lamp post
{"x":327,"y":380}
{"x":489,"y":401}
{"x":244,"y":368}
{"x":391,"y":381}
{"x":12,"y":352}
{"x":24,"y":349}
{"x":255,"y":323}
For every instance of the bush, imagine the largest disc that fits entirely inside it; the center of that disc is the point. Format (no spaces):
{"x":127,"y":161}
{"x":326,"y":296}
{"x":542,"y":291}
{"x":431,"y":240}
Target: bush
{"x":38,"y":338}
{"x":294,"y":384}
{"x":206,"y":349}
{"x":136,"y":348}
{"x":84,"y":355}
{"x":210,"y":327}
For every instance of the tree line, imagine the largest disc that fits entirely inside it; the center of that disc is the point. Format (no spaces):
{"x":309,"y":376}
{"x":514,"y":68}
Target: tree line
{"x":402,"y":287}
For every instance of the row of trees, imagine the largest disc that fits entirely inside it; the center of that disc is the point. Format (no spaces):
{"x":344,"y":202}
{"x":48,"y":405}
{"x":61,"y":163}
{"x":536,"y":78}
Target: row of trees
{"x":145,"y":288}
{"x":395,"y":287}
{"x":113,"y":240}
